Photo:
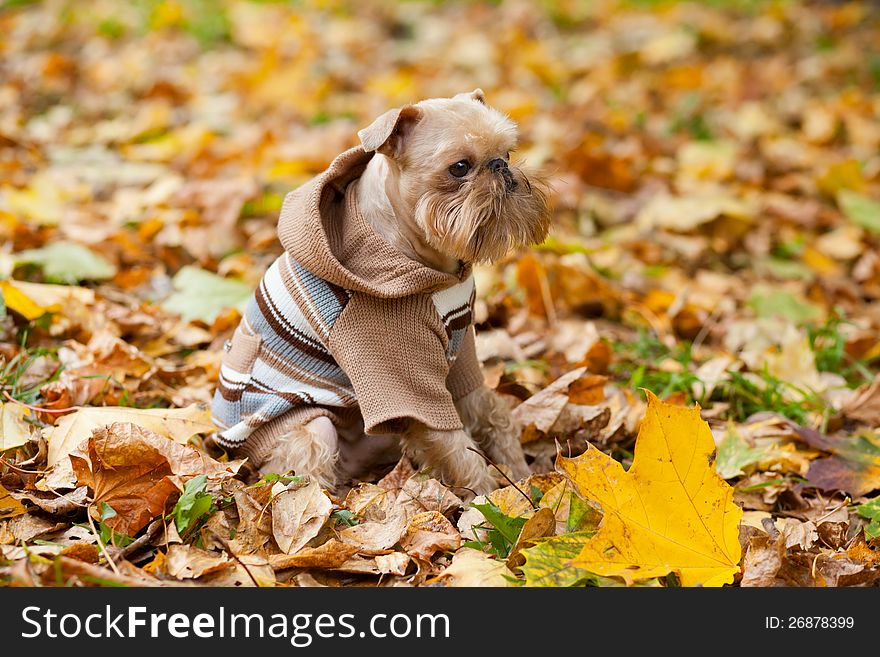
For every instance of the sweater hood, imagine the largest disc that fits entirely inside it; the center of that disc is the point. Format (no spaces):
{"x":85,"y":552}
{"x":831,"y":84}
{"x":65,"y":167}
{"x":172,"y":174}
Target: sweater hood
{"x":322,"y":229}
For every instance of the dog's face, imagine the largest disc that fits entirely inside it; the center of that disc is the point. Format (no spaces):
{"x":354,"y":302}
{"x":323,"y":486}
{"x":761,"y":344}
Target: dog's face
{"x":450,"y":166}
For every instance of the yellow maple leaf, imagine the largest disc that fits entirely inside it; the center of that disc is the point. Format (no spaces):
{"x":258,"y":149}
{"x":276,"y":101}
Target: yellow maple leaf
{"x":21,"y":303}
{"x":670,"y":512}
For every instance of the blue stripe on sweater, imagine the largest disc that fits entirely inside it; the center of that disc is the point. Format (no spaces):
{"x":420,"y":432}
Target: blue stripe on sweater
{"x":292,"y":311}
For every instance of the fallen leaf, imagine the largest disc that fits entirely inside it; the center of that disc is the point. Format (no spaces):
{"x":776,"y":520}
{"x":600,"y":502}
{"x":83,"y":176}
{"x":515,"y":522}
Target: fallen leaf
{"x":254,"y":527}
{"x":68,"y":263}
{"x":28,"y":527}
{"x":471,"y":567}
{"x":735,"y":453}
{"x":188,"y":562}
{"x":199,"y":294}
{"x":863,"y":404}
{"x":57,"y":504}
{"x":427,"y":533}
{"x":670,"y":512}
{"x":9,"y":506}
{"x":551,"y":562}
{"x":395,"y":563}
{"x":429,"y":494}
{"x":799,"y":534}
{"x":860,"y":209}
{"x":762,"y":561}
{"x":854,"y":466}
{"x":17,"y":300}
{"x":543,"y":408}
{"x":178,"y":424}
{"x":135,"y":471}
{"x":331,"y":554}
{"x":376,"y":537}
{"x":686,"y":213}
{"x":14,"y":430}
{"x":540,"y":524}
{"x":247,"y":570}
{"x":298,"y":515}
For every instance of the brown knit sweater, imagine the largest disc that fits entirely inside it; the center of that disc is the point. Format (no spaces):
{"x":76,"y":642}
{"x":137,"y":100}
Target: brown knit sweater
{"x":343,"y":324}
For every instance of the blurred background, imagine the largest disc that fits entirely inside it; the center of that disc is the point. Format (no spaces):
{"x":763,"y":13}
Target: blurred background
{"x":715,"y":165}
{"x":716,"y":239}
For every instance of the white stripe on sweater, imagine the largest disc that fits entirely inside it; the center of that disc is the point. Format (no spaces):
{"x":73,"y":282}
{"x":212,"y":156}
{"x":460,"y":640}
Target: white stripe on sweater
{"x":454,"y":297}
{"x":280,"y":298}
{"x":306,"y":298}
{"x":265,"y":373}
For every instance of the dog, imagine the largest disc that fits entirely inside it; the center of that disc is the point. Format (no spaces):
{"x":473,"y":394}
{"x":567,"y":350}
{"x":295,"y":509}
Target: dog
{"x":360,"y":336}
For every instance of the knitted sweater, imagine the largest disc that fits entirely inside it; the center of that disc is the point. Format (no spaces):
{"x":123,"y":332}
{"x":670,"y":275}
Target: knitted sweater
{"x":343,"y":324}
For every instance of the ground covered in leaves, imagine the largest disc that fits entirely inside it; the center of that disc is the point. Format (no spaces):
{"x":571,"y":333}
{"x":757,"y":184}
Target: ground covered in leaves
{"x":716,"y":241}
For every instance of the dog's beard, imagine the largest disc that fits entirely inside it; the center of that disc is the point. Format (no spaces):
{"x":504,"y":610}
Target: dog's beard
{"x":483,"y":219}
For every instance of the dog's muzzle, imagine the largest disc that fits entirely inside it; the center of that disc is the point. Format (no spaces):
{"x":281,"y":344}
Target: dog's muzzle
{"x":499,"y":166}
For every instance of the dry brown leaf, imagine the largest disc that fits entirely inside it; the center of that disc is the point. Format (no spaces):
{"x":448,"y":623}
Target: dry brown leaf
{"x":540,"y":524}
{"x":376,"y":537}
{"x":543,"y":408}
{"x":9,"y":506}
{"x":396,"y":479}
{"x":428,"y":494}
{"x":762,"y":561}
{"x":799,"y":534}
{"x":28,"y":527}
{"x":14,"y":430}
{"x":369,"y":502}
{"x":188,"y":562}
{"x":863,"y":404}
{"x":254,"y":528}
{"x":427,"y":533}
{"x":57,"y":504}
{"x":331,"y":554}
{"x":136,"y":471}
{"x":179,"y":424}
{"x":471,"y":567}
{"x":395,"y":563}
{"x":298,"y":515}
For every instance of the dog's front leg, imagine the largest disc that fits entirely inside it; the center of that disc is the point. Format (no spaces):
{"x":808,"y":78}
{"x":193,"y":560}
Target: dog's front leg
{"x":488,"y":420}
{"x":312,"y":449}
{"x":450,"y":455}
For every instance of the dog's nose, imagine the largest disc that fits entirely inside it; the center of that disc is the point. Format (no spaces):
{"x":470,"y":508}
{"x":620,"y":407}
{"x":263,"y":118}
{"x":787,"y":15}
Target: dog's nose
{"x":496,"y":164}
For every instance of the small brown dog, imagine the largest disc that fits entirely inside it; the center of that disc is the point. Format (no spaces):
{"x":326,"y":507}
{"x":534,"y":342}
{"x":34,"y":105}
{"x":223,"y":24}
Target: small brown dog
{"x":363,"y":325}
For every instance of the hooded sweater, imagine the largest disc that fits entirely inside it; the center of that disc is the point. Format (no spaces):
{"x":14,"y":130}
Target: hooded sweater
{"x":341,"y":325}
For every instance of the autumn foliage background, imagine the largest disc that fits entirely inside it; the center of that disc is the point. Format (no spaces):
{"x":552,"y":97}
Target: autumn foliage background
{"x":716,"y":175}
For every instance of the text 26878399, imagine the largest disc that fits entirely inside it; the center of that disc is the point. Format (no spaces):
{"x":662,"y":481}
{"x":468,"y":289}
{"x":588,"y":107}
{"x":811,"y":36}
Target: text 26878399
{"x":809,"y":623}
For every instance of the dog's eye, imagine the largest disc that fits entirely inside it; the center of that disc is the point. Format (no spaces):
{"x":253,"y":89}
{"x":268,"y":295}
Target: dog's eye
{"x":460,"y":169}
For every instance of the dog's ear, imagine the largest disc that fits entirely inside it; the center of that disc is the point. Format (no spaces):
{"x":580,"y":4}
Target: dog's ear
{"x":477,"y":95}
{"x":387,"y":134}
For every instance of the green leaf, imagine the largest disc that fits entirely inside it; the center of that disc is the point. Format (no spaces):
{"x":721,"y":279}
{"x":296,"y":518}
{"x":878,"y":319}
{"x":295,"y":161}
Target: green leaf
{"x":505,"y":530}
{"x":193,"y":504}
{"x":199,"y":294}
{"x":508,"y":527}
{"x":107,"y":534}
{"x":871,"y":510}
{"x":68,"y":263}
{"x":344,"y":517}
{"x":860,"y":209}
{"x":734,"y":453}
{"x":581,"y":516}
{"x":547,"y":563}
{"x":767,"y":301}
